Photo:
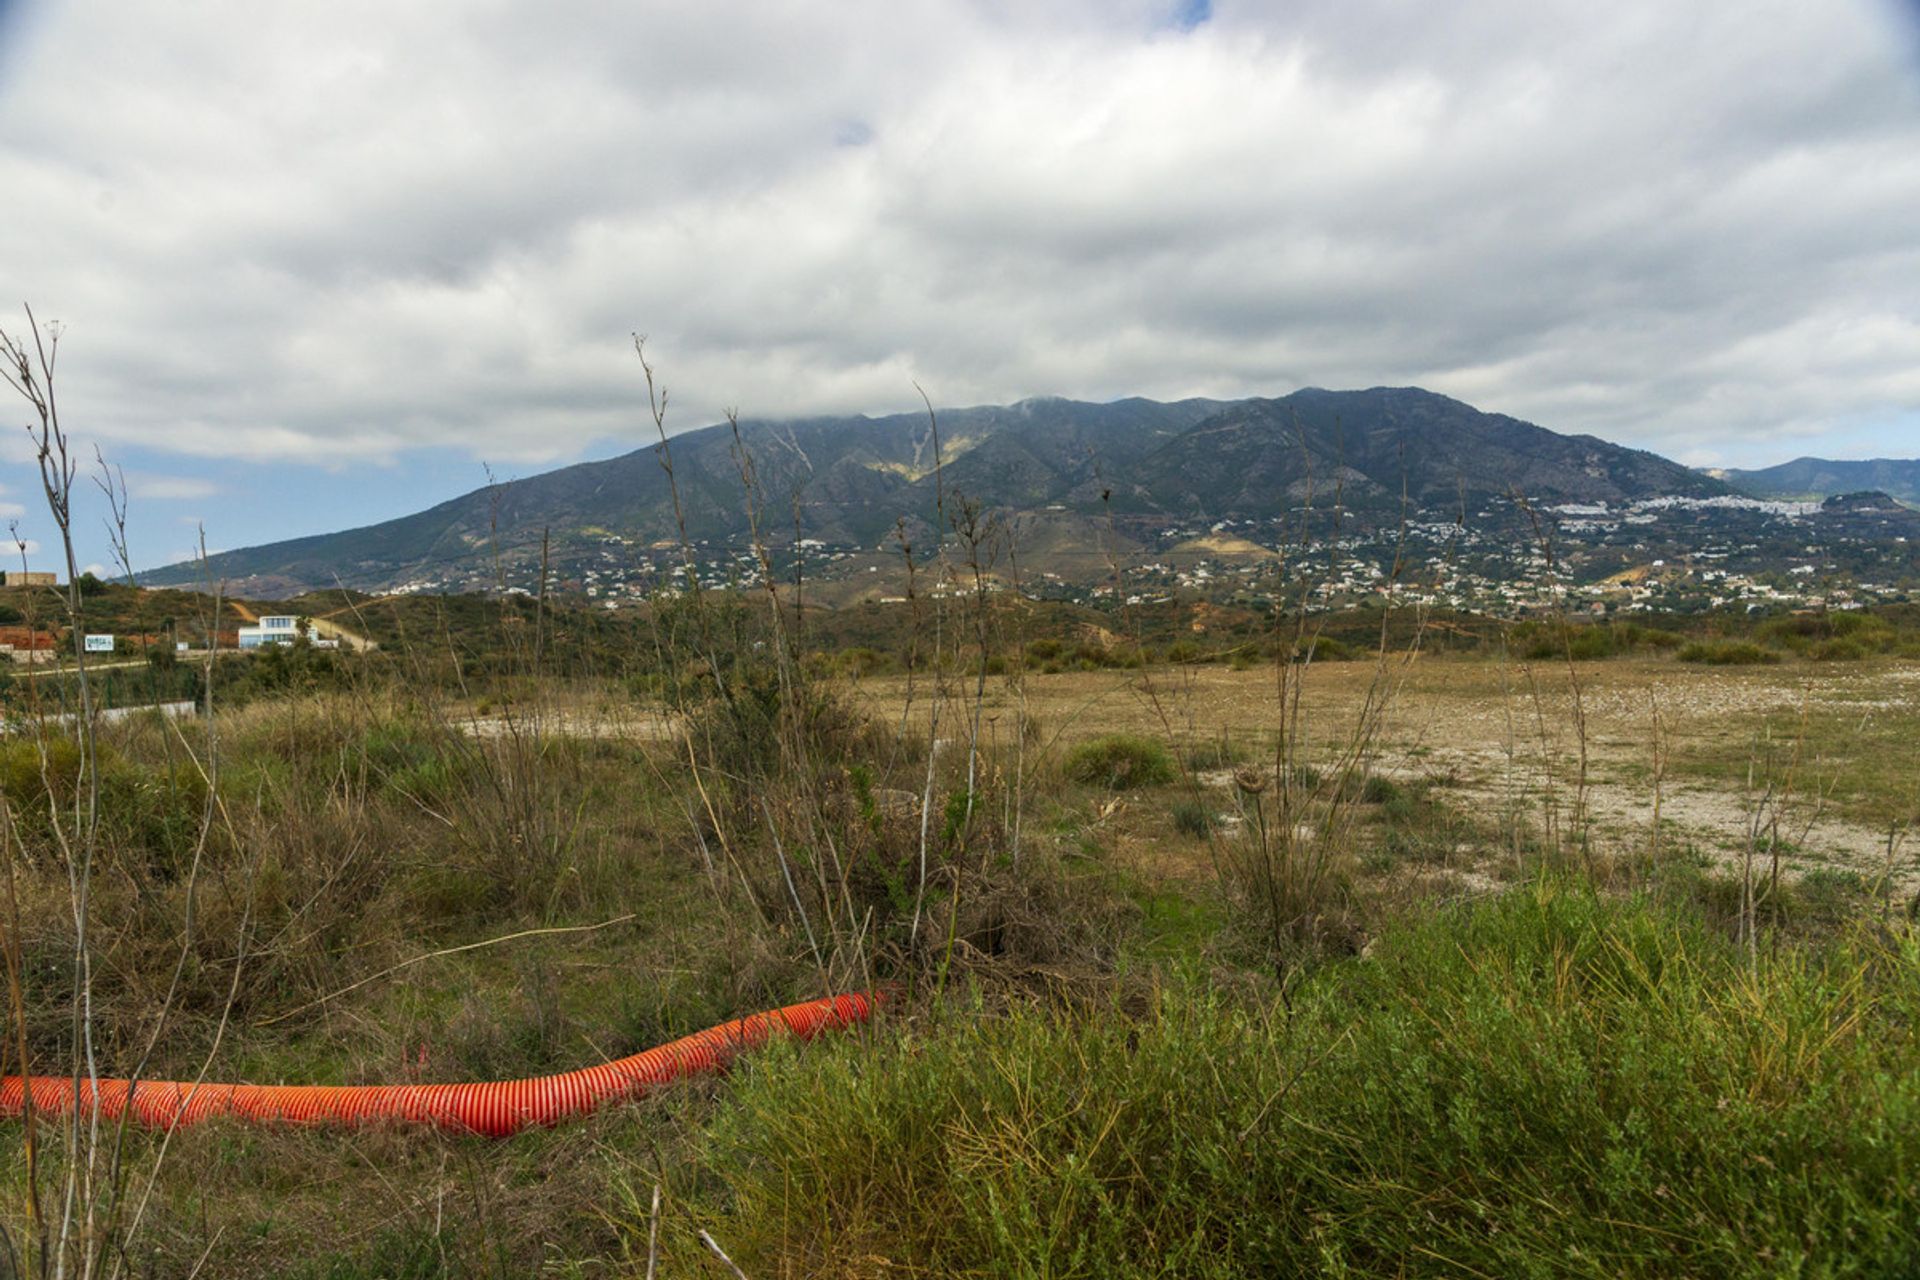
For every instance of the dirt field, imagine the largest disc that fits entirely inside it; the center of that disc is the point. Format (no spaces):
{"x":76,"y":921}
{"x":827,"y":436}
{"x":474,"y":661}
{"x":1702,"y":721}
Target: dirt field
{"x":1827,"y":756}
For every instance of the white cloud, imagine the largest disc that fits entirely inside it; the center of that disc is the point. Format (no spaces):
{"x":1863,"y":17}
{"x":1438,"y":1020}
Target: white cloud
{"x":145,"y":486}
{"x":300,"y":234}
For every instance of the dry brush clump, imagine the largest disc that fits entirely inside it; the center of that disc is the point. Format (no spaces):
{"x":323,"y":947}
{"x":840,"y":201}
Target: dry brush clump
{"x":868,"y":850}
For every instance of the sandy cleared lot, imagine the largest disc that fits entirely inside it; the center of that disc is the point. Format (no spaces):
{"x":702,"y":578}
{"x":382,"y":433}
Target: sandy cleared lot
{"x":1827,"y":756}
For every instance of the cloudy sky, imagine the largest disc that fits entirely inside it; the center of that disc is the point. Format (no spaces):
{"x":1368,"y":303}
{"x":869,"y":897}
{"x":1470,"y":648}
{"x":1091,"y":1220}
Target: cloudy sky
{"x":318,"y":262}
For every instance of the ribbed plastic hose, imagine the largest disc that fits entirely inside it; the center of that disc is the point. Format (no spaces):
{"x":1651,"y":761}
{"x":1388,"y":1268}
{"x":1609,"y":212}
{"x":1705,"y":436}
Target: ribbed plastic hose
{"x":495,"y":1109}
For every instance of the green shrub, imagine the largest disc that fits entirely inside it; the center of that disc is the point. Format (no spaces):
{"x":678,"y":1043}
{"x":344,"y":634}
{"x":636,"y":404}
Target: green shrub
{"x":1191,"y":818}
{"x":1120,"y":762}
{"x":1795,"y":632}
{"x":1216,"y":753}
{"x":1545,"y":641}
{"x":1325,"y":649}
{"x":26,"y":778}
{"x":1727,"y":653}
{"x":1830,"y":894}
{"x":862,"y":661}
{"x":1588,"y":642}
{"x":151,"y":813}
{"x":1849,"y":622}
{"x":1653,"y":638}
{"x":155,"y":812}
{"x":411,"y":760}
{"x":1844,"y":636}
{"x":1379,"y":789}
{"x":1839,"y":649}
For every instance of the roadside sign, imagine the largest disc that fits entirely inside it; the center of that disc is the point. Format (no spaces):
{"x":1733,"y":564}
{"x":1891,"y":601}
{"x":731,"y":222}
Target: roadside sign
{"x":99,"y":644}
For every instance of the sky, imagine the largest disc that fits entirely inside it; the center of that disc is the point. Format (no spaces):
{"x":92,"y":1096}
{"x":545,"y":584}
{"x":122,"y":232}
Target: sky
{"x":321,"y":264}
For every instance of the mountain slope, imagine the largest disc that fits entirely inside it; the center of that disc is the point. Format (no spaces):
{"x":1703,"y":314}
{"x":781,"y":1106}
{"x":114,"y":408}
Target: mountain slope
{"x":849,"y":481}
{"x":1817,"y":478}
{"x":1376,"y":445}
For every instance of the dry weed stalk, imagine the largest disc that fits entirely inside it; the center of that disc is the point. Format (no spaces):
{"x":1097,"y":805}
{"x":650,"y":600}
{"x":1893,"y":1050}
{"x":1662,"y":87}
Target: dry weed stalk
{"x":27,"y":364}
{"x":1288,"y":869}
{"x":90,"y":1234}
{"x":1578,"y":817}
{"x":778,"y":772}
{"x":1660,"y":748}
{"x":1773,"y":797}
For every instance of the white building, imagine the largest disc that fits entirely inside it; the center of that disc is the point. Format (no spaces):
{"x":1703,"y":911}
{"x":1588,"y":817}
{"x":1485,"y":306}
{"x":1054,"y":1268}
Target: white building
{"x":278,"y":628}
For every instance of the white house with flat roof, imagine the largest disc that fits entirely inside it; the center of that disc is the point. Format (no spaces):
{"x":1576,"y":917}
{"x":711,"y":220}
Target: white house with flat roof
{"x":277,"y":628}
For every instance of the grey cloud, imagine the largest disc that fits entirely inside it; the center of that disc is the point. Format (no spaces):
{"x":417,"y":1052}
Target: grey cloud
{"x":311,"y":234}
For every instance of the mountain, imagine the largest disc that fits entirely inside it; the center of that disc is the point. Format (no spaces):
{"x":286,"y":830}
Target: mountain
{"x":852,"y":477}
{"x":1380,"y":445}
{"x":1071,"y":475}
{"x":1812,"y":479}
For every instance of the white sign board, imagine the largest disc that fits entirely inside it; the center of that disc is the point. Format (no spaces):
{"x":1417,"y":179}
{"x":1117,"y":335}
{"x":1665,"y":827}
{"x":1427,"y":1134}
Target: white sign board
{"x":99,"y":644}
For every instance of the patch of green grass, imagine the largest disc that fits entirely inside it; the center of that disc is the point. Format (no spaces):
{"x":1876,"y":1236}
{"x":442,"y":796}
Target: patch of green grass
{"x":396,"y":1254}
{"x":1174,"y":926}
{"x":1867,"y":752}
{"x":1413,"y":826}
{"x":1546,"y":1084}
{"x":1832,"y":894}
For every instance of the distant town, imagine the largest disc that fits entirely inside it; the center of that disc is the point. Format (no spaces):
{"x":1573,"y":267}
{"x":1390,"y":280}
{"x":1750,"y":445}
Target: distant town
{"x":1664,"y":554}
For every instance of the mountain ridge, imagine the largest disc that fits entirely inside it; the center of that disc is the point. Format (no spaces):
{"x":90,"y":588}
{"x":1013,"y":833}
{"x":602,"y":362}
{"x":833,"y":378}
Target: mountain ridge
{"x":851,"y":481}
{"x":1815,"y":479}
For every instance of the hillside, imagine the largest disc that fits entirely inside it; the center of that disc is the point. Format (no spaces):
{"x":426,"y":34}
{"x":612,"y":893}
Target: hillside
{"x":1374,"y":446}
{"x":1813,"y":479}
{"x":852,"y":477}
{"x":1058,"y":466}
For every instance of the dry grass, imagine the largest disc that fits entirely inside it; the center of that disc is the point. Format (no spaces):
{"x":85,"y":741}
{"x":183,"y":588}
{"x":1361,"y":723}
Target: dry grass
{"x":1472,"y":724}
{"x":382,"y":825}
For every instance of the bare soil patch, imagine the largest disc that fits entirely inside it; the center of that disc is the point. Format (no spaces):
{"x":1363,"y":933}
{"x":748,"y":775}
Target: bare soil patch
{"x":1824,"y":746}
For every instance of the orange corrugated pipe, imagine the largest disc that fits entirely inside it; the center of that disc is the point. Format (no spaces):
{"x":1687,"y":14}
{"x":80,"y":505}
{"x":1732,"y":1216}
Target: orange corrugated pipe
{"x":495,"y":1109}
